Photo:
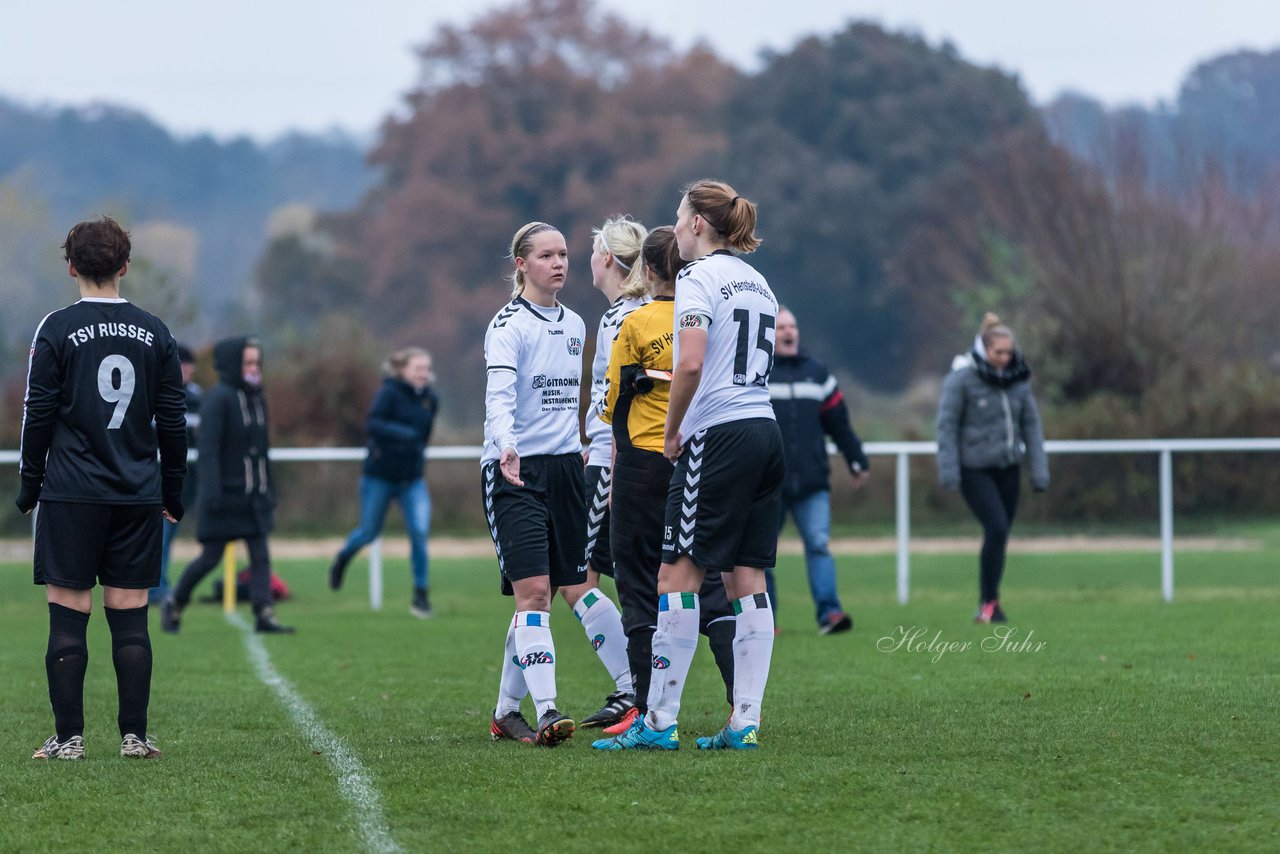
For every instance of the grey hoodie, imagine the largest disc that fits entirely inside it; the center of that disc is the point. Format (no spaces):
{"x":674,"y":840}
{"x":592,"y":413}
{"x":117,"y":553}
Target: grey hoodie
{"x":988,"y":419}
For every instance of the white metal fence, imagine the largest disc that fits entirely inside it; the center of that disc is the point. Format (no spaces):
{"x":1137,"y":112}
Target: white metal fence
{"x":902,"y":452}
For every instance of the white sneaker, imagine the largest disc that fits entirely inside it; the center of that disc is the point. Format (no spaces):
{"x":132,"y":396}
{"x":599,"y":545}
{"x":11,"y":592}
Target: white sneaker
{"x":140,"y":748}
{"x":72,"y":748}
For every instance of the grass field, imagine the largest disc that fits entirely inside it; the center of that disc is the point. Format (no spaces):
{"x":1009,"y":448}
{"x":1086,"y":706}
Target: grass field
{"x":1134,"y":725}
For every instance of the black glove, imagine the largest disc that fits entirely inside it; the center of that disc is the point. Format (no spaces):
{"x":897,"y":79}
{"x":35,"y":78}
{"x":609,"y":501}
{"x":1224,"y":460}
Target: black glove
{"x":27,"y":497}
{"x":171,"y":497}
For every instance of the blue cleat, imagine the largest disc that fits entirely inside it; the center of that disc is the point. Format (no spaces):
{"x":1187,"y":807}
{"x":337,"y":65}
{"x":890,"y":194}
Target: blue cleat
{"x":640,"y":737}
{"x":731,"y":739}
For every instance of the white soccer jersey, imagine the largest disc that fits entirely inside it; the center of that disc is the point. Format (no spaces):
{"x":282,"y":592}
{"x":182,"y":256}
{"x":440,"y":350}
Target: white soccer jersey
{"x":533,"y":360}
{"x":728,"y":298}
{"x":599,"y":434}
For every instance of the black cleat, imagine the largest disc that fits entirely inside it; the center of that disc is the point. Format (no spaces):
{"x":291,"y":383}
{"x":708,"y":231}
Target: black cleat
{"x":554,"y":728}
{"x":615,"y":708}
{"x":512,"y":726}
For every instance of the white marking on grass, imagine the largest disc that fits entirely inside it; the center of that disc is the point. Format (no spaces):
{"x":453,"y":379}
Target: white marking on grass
{"x":353,"y":780}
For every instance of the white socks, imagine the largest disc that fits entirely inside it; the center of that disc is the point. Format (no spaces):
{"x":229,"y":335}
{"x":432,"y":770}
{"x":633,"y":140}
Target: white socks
{"x":752,"y":652}
{"x":603,"y":624}
{"x":511,"y":687}
{"x":536,"y":653}
{"x":674,"y":644}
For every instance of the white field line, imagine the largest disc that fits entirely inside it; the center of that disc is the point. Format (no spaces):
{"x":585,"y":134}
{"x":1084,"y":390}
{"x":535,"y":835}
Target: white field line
{"x":353,"y":780}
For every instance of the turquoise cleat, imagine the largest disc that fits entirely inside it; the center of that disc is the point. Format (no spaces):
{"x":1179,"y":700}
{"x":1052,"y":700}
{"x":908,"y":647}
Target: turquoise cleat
{"x":640,"y":737}
{"x":731,"y":739}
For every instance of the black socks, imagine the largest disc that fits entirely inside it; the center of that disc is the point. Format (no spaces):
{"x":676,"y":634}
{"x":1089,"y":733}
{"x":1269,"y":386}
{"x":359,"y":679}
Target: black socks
{"x":65,"y":661}
{"x":131,"y":654}
{"x":720,"y":637}
{"x":640,"y":659}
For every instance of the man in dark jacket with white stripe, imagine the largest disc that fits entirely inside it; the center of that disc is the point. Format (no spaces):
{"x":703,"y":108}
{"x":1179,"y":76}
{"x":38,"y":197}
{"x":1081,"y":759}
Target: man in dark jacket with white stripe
{"x":809,"y":407}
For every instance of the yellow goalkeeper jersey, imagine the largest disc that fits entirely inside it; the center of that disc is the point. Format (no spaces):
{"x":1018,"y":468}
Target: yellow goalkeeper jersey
{"x":645,"y":341}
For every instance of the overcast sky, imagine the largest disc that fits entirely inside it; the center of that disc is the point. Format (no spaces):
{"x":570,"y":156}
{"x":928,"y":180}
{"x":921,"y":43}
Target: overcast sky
{"x":265,"y":66}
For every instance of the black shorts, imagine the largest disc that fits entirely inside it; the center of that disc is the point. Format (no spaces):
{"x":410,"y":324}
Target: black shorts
{"x":80,"y":545}
{"x":640,"y":482}
{"x":598,"y":552}
{"x":539,"y":528}
{"x":725,"y":498}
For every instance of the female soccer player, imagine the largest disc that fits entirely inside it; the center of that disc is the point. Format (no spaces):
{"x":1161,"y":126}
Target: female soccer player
{"x":723,"y":505}
{"x":636,"y":406}
{"x":534,"y":492}
{"x":616,"y":273}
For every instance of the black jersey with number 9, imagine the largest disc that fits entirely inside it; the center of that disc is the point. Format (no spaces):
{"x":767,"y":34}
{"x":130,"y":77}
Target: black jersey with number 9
{"x":104,"y":392}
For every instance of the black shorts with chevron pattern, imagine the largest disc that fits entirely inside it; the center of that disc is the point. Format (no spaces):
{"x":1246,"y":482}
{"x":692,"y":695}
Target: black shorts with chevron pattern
{"x":724,"y":502}
{"x":599,"y":556}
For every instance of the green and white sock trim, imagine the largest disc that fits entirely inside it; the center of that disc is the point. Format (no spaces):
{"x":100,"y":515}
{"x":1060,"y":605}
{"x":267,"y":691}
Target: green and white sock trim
{"x":754,"y":602}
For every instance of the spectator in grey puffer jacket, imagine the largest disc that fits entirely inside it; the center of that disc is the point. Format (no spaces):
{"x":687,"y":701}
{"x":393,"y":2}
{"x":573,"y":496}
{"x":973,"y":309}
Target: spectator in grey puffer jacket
{"x":988,"y":425}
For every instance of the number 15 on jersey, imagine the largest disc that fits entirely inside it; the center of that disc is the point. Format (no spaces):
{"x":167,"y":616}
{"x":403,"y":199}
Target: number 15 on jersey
{"x":753,"y":361}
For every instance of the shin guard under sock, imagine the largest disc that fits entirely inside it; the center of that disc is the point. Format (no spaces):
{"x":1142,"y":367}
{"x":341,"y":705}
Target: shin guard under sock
{"x":131,"y":654}
{"x":65,"y":661}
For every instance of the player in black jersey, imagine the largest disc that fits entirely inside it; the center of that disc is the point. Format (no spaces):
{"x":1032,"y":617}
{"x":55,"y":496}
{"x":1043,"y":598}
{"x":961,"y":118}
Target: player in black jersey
{"x":101,"y":372}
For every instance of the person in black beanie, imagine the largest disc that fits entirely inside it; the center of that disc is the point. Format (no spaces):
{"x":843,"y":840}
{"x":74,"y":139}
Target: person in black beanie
{"x":810,"y":407}
{"x":104,"y":395}
{"x":236,"y":489}
{"x":988,"y":424}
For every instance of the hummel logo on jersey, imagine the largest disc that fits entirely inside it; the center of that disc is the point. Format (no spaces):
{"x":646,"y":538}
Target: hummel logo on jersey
{"x":555,"y":331}
{"x":575,"y":346}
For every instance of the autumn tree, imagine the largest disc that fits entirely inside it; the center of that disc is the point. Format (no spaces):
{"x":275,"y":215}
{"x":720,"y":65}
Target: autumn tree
{"x":1115,"y":292}
{"x":547,"y":110}
{"x":840,"y":140}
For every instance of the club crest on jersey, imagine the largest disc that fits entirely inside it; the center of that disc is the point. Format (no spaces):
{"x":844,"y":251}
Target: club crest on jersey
{"x":575,"y":346}
{"x":661,"y":662}
{"x":691,"y":321}
{"x":597,"y":642}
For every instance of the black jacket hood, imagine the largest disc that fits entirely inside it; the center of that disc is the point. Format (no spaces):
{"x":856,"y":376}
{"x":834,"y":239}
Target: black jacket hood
{"x":228,"y":359}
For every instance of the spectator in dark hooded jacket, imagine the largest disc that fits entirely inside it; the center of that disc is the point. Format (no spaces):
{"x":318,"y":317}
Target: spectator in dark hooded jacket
{"x":236,"y":490}
{"x":399,"y":426}
{"x":988,"y":425}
